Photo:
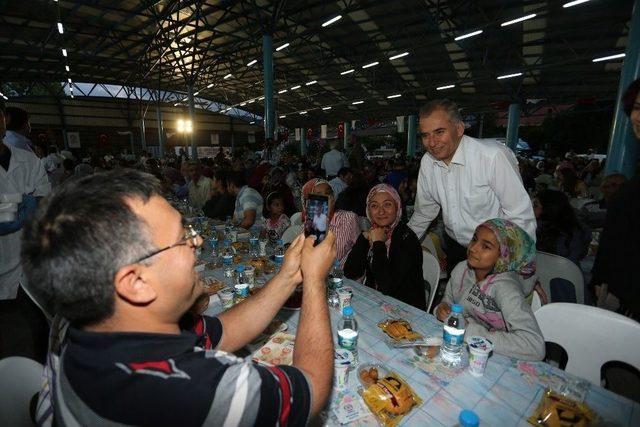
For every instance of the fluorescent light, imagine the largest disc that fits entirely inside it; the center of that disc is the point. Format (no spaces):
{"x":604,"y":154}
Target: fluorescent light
{"x":356,"y":102}
{"x":372,"y":64}
{"x":71,"y":89}
{"x":71,"y":96}
{"x":196,"y":93}
{"x":210,"y":85}
{"x":4,"y":96}
{"x":60,"y":28}
{"x":515,"y":21}
{"x":252,"y":123}
{"x":282,"y":117}
{"x":332,"y":20}
{"x":243,"y":104}
{"x":303,"y":112}
{"x":397,"y":95}
{"x":347,"y":72}
{"x":252,"y":63}
{"x":508,"y":76}
{"x":312,"y":82}
{"x":606,"y":58}
{"x":69,"y":81}
{"x":228,"y":76}
{"x":574,"y":3}
{"x":400,"y":55}
{"x":176,"y":104}
{"x":282,"y":91}
{"x":284,"y":46}
{"x":261,"y":98}
{"x":466,"y":36}
{"x":251,"y":101}
{"x":64,"y":52}
{"x":326,"y":108}
{"x":445,"y":87}
{"x":295,"y":87}
{"x":66,"y":67}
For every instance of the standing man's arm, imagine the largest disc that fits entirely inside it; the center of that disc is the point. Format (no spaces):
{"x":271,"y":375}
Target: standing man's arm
{"x":514,"y":199}
{"x":426,"y":209}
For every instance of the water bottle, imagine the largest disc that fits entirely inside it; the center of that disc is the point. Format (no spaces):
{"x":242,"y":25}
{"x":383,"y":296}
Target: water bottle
{"x":228,"y":226}
{"x":278,"y":254}
{"x":348,"y":332}
{"x":239,"y":276}
{"x":453,"y":338}
{"x":227,"y":261}
{"x":468,"y":418}
{"x":213,"y":243}
{"x":336,"y":276}
{"x":254,"y":246}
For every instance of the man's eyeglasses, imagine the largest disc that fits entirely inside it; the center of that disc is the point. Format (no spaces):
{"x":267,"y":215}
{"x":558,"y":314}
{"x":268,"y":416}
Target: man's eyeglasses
{"x":191,"y":238}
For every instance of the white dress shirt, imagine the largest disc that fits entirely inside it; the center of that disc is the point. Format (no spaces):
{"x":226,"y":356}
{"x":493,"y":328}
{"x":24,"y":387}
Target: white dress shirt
{"x":338,"y":186}
{"x":17,"y":140}
{"x":25,"y":176}
{"x":333,"y":161}
{"x":481,"y":182}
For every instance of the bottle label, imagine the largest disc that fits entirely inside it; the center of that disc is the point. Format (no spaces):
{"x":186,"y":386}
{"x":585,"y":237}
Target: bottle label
{"x":348,"y":339}
{"x":227,"y":259}
{"x":452,"y":335}
{"x":253,"y":241}
{"x":279,"y":259}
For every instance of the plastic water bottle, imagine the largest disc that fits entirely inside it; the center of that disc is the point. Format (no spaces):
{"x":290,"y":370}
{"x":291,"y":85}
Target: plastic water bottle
{"x":228,"y":226}
{"x":254,"y":246}
{"x":336,"y":276}
{"x":348,"y":332}
{"x":278,"y":254}
{"x":453,"y":338}
{"x":468,"y":418}
{"x":227,"y":261}
{"x":239,"y":276}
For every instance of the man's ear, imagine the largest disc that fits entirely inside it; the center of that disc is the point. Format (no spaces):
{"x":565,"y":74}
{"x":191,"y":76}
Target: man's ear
{"x":460,"y":128}
{"x":132,"y":286}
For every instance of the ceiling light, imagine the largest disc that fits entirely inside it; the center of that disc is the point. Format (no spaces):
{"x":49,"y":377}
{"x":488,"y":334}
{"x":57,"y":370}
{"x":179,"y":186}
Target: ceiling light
{"x":312,"y":82}
{"x":69,"y":81}
{"x":60,"y":28}
{"x":303,"y":112}
{"x":373,"y":64}
{"x":606,"y":58}
{"x":196,"y":93}
{"x":282,"y":91}
{"x":71,"y":96}
{"x":284,"y":46}
{"x":326,"y":108}
{"x":282,"y":117}
{"x":515,"y":21}
{"x":508,"y":76}
{"x":445,"y":87}
{"x":251,"y":101}
{"x":176,"y":104}
{"x":400,"y":55}
{"x":64,"y":52}
{"x":347,"y":72}
{"x":332,"y":20}
{"x":228,"y":76}
{"x":4,"y":96}
{"x":397,"y":95}
{"x":261,"y":98}
{"x":71,"y":89}
{"x":243,"y":104}
{"x":252,"y":63}
{"x":210,"y":85}
{"x":66,"y":67}
{"x":574,"y":3}
{"x":356,"y":102}
{"x":466,"y":36}
{"x":252,"y":123}
{"x":295,"y":87}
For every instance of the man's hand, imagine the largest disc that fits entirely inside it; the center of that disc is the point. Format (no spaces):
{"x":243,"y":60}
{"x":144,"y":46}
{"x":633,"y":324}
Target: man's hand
{"x":442,"y":311}
{"x":290,"y":270}
{"x":377,"y":234}
{"x":316,"y":261}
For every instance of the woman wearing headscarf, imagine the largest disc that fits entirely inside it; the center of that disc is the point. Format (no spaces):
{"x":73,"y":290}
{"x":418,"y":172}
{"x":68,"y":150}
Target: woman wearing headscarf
{"x":489,"y":286}
{"x":388,"y":256}
{"x":344,"y":224}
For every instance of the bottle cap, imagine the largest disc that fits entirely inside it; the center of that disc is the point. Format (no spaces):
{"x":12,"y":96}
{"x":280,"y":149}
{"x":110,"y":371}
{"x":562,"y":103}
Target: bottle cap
{"x":279,"y":242}
{"x":227,"y":243}
{"x":347,"y":311}
{"x":468,"y":418}
{"x":456,"y":308}
{"x":240,"y":268}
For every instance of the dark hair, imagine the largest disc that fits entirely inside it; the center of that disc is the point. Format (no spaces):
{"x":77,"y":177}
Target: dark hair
{"x":344,"y":171}
{"x":80,"y":236}
{"x":274,"y":195}
{"x":630,"y":96}
{"x":223,"y":176}
{"x":446,"y":105}
{"x":237,"y":179}
{"x":569,"y":181}
{"x":558,"y":217}
{"x":16,"y":118}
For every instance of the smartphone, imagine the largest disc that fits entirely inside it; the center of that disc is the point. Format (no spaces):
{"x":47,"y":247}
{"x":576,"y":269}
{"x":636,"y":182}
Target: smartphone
{"x":317,"y":223}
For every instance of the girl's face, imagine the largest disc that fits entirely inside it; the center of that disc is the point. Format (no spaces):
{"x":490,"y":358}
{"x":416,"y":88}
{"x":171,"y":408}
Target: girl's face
{"x":483,"y":251}
{"x":276,"y":207}
{"x":383,"y":209}
{"x":537,"y":208}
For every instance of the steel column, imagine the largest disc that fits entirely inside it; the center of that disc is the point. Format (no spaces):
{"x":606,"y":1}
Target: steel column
{"x":346,"y":135}
{"x":267,"y":71}
{"x":160,"y":130}
{"x":192,"y":117}
{"x":303,"y":141}
{"x":513,"y":124}
{"x":412,"y":133}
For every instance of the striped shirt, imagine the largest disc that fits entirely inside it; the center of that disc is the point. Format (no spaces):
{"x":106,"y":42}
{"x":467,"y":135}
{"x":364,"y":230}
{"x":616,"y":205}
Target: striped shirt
{"x":247,"y":199}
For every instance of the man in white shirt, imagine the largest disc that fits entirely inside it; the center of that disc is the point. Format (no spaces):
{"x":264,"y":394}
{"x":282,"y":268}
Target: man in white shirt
{"x":341,"y":182}
{"x":471,"y":180}
{"x":333,"y":161}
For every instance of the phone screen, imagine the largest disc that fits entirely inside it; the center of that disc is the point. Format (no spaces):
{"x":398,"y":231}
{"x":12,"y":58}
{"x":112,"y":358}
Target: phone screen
{"x":317,"y":223}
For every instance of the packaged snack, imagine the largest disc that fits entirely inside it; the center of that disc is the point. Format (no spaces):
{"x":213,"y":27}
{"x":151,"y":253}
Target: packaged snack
{"x":400,"y":333}
{"x":277,"y":351}
{"x":386,"y":394}
{"x":555,"y":410}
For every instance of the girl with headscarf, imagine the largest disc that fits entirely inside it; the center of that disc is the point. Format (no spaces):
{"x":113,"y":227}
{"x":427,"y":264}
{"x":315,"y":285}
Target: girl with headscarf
{"x":489,"y":286}
{"x":345,"y":225}
{"x":388,"y":256}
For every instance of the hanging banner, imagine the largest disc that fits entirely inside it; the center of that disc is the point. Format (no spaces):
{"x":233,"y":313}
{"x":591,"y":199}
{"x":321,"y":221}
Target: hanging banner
{"x":298,"y":134}
{"x":215,"y":139}
{"x":73,"y":139}
{"x":341,"y":130}
{"x":251,"y":137}
{"x":400,"y":124}
{"x":323,"y":131}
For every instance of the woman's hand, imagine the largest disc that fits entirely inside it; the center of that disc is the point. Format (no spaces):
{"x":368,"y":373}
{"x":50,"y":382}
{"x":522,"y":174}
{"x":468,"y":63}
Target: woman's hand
{"x":442,"y":311}
{"x":377,"y":235}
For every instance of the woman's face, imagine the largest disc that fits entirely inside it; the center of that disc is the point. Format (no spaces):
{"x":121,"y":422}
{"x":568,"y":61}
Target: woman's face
{"x":383,"y":209}
{"x":537,"y":208}
{"x":484,"y":250}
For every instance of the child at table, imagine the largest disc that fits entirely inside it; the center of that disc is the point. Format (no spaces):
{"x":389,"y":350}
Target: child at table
{"x":277,"y":222}
{"x":489,"y":286}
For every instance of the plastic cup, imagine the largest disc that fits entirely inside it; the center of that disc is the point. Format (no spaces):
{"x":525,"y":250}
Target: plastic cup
{"x":250,"y":276}
{"x":226,"y":297}
{"x":263,"y":247}
{"x":344,"y":297}
{"x":479,"y":349}
{"x":242,"y":290}
{"x":343,"y":360}
{"x":233,"y":236}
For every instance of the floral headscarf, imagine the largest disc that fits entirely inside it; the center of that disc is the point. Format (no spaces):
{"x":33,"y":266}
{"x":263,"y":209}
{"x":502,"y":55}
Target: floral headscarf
{"x":517,"y":248}
{"x":307,"y":189}
{"x":386,"y":188}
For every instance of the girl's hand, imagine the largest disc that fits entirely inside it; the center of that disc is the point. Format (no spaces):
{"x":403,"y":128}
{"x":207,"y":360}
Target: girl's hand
{"x":442,"y":311}
{"x":377,"y":235}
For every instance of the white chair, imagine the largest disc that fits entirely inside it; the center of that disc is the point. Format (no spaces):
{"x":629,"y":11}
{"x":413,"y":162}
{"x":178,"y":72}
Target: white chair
{"x":21,"y":379}
{"x":296,"y":218}
{"x":291,"y":233}
{"x":591,"y":337}
{"x":551,"y":266}
{"x":536,"y":302}
{"x":431,"y":274}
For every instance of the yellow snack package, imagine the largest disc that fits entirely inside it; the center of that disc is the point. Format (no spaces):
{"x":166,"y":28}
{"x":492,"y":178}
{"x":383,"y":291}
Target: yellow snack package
{"x":555,"y":410}
{"x":399,"y":329}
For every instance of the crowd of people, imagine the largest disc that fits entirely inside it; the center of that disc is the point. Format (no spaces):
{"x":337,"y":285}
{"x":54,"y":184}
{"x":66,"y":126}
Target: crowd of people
{"x":106,"y":253}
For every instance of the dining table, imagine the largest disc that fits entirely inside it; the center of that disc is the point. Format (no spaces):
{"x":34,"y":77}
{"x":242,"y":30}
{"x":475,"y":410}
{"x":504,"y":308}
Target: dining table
{"x":506,"y":395}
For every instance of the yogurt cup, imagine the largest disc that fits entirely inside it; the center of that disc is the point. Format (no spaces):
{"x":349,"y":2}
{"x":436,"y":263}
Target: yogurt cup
{"x":226,"y":297}
{"x":344,"y":296}
{"x":479,"y":350}
{"x":242,"y":290}
{"x":343,"y":361}
{"x":250,"y":275}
